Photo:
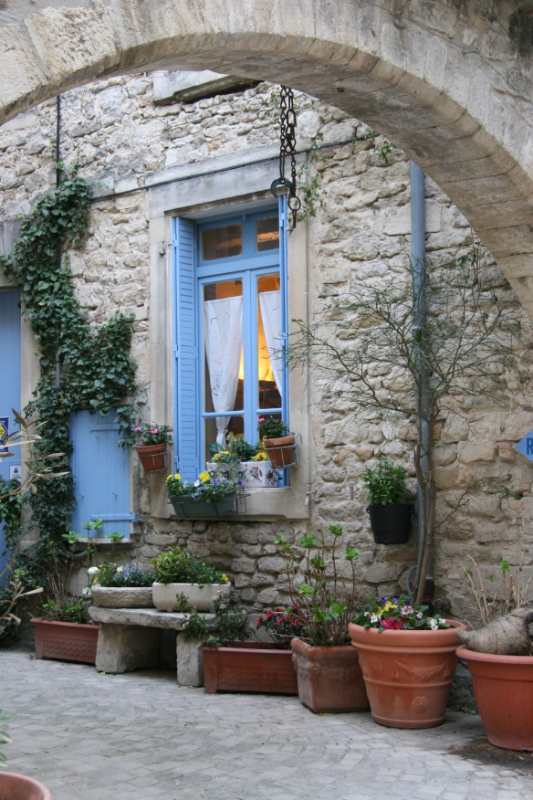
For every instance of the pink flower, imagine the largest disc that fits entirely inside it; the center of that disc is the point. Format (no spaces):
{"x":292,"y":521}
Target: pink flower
{"x":261,"y":419}
{"x":392,"y":624}
{"x":137,"y":428}
{"x":154,"y":430}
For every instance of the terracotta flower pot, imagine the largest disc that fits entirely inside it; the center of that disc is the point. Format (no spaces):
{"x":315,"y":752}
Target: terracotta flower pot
{"x":65,"y":641}
{"x":503,"y":686}
{"x":153,"y":456}
{"x":408,"y":674}
{"x":20,"y":787}
{"x":249,"y":667}
{"x":280,"y":451}
{"x":329,"y":678}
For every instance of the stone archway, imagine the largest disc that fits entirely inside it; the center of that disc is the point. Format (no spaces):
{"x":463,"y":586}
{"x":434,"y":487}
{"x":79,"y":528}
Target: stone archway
{"x":434,"y":76}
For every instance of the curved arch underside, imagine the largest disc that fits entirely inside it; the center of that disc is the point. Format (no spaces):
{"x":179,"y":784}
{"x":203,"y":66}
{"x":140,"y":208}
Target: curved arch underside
{"x":417,"y":79}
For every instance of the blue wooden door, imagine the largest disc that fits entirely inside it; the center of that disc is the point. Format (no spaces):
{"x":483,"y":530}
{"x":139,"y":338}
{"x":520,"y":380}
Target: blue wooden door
{"x":101,"y":472}
{"x":9,"y":387}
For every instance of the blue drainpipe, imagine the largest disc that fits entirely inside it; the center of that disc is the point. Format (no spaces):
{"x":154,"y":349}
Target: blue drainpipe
{"x":418,"y":260}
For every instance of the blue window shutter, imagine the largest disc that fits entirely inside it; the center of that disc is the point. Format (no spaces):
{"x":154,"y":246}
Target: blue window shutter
{"x":284,"y":287}
{"x":9,"y":387}
{"x":101,"y":473}
{"x":187,"y":410}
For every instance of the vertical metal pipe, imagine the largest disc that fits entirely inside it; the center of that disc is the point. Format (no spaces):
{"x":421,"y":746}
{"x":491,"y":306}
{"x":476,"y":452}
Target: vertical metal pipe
{"x":58,"y":181}
{"x":418,"y":260}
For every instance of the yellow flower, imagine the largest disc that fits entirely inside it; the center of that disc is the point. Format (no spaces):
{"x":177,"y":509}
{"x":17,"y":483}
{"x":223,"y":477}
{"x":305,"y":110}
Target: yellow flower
{"x":204,"y":476}
{"x":389,"y":606}
{"x":224,"y":577}
{"x":260,"y":457}
{"x":169,"y":478}
{"x":177,"y":477}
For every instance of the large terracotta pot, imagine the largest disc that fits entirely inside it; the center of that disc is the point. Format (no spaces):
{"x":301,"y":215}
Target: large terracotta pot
{"x":249,"y":667}
{"x":20,"y":787}
{"x":329,"y":678}
{"x":65,"y":641}
{"x":281,"y":451}
{"x":153,"y":456}
{"x":122,"y":596}
{"x":503,"y":686}
{"x":201,"y":597}
{"x":408,"y":674}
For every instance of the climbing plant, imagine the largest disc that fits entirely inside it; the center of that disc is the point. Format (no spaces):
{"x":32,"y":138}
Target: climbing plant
{"x":83,"y":367}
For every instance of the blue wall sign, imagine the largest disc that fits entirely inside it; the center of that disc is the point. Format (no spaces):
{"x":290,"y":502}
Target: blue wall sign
{"x":525,"y":446}
{"x":4,"y":433}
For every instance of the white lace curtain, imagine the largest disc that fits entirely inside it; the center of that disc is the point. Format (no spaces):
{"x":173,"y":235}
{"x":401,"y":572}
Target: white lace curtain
{"x":270,"y":304}
{"x":223,"y":346}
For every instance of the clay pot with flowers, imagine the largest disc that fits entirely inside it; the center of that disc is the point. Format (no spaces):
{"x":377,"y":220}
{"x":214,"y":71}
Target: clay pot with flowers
{"x":241,"y":460}
{"x":408,"y":661}
{"x":152,"y":445}
{"x":279,"y":444}
{"x":327,"y":667}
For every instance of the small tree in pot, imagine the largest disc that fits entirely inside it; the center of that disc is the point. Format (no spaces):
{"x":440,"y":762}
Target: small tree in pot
{"x":329,"y":677}
{"x":390,"y":514}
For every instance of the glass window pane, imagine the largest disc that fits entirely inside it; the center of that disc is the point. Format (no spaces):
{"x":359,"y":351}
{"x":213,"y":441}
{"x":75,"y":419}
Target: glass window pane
{"x":223,"y":349}
{"x":223,"y":242}
{"x":267,"y":234}
{"x":269,"y":365}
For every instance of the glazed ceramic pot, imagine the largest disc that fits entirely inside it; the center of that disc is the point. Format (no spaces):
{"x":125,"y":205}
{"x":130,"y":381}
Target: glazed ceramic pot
{"x":65,"y":641}
{"x":20,"y":787}
{"x":281,"y":451}
{"x":249,"y":667}
{"x":329,"y":678}
{"x":503,"y":686}
{"x":408,"y":674}
{"x":153,"y":456}
{"x":165,"y":595}
{"x":122,"y":597}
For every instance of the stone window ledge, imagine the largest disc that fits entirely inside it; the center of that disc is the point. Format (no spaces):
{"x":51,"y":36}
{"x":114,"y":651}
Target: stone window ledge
{"x":261,"y":504}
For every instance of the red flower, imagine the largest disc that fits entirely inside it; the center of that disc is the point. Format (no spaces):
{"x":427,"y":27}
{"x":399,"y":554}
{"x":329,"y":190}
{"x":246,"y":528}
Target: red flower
{"x":392,"y":624}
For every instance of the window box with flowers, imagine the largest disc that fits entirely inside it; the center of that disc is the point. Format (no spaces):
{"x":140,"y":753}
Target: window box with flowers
{"x":244,"y":461}
{"x":153,"y":445}
{"x":211,"y":495}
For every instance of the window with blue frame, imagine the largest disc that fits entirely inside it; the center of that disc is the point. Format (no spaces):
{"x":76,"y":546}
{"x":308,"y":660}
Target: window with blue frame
{"x":230,"y":329}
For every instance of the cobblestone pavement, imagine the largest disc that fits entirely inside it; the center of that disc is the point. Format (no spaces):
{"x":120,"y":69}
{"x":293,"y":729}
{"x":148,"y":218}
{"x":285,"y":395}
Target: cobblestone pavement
{"x":90,"y":736}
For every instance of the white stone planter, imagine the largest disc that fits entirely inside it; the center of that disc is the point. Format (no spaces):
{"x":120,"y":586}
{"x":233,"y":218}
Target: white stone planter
{"x":122,"y":597}
{"x":165,"y":595}
{"x":254,"y":474}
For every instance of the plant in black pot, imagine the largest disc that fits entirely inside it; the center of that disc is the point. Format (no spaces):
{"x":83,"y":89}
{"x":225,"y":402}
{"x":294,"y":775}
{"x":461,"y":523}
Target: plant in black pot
{"x":389,"y":507}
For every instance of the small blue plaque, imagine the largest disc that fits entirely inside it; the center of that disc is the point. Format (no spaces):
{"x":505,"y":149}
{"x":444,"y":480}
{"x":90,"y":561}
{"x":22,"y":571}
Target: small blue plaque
{"x":525,"y":446}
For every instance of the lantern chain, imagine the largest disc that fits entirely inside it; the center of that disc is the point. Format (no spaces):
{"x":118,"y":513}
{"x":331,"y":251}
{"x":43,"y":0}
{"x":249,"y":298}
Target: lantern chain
{"x":287,"y":135}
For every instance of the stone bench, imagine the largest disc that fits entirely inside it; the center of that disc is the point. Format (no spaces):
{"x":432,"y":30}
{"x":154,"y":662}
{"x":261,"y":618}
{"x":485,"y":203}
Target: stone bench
{"x":145,"y":638}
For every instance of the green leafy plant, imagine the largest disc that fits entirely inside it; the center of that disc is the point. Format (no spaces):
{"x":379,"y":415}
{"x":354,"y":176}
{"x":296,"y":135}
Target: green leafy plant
{"x":109,"y":574}
{"x":386,"y":485}
{"x":383,"y":150}
{"x":151,"y":433}
{"x":398,"y":613}
{"x":92,"y":363}
{"x":227,"y":627}
{"x":323,"y":600}
{"x":4,"y":738}
{"x":272,"y":428}
{"x":74,"y":610}
{"x":178,"y":566}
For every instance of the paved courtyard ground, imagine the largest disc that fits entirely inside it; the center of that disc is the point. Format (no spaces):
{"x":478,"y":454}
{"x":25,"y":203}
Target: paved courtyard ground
{"x":125,"y":737}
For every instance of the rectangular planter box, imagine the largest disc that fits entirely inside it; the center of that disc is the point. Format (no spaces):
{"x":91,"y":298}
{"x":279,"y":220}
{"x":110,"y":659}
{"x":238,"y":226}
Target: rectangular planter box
{"x":254,"y":474}
{"x":249,"y":667}
{"x":65,"y":641}
{"x":187,"y":508}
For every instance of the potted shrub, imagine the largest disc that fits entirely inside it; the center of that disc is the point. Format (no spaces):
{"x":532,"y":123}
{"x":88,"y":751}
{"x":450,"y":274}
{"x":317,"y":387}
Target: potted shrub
{"x":500,"y":659}
{"x":152,"y":445}
{"x":390,"y":513}
{"x":327,"y":667}
{"x":179,"y":577}
{"x":212,"y":495}
{"x":121,"y":587}
{"x":408,"y":661}
{"x":244,"y":461}
{"x":250,"y":666}
{"x":279,"y":447}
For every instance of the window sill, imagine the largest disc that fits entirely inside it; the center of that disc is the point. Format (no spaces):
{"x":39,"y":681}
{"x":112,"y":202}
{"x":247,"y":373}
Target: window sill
{"x":261,"y":504}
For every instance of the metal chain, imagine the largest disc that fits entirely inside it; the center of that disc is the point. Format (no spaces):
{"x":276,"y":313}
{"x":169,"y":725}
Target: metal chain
{"x":287,"y":136}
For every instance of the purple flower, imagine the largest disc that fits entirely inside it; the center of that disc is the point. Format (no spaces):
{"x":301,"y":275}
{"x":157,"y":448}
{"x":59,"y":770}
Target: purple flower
{"x":215,"y":482}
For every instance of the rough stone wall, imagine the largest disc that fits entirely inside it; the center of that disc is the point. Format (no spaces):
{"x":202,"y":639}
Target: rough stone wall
{"x":361,"y":231}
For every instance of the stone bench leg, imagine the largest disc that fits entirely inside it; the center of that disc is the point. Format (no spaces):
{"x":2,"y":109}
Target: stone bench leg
{"x":190,"y":662}
{"x":124,"y":648}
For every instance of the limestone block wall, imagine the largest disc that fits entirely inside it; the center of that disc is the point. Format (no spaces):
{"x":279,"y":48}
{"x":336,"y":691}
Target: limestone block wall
{"x":122,"y":142}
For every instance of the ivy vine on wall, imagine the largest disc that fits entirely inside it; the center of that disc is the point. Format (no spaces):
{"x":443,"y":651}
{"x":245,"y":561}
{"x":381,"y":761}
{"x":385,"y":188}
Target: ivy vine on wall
{"x":95,"y":370}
